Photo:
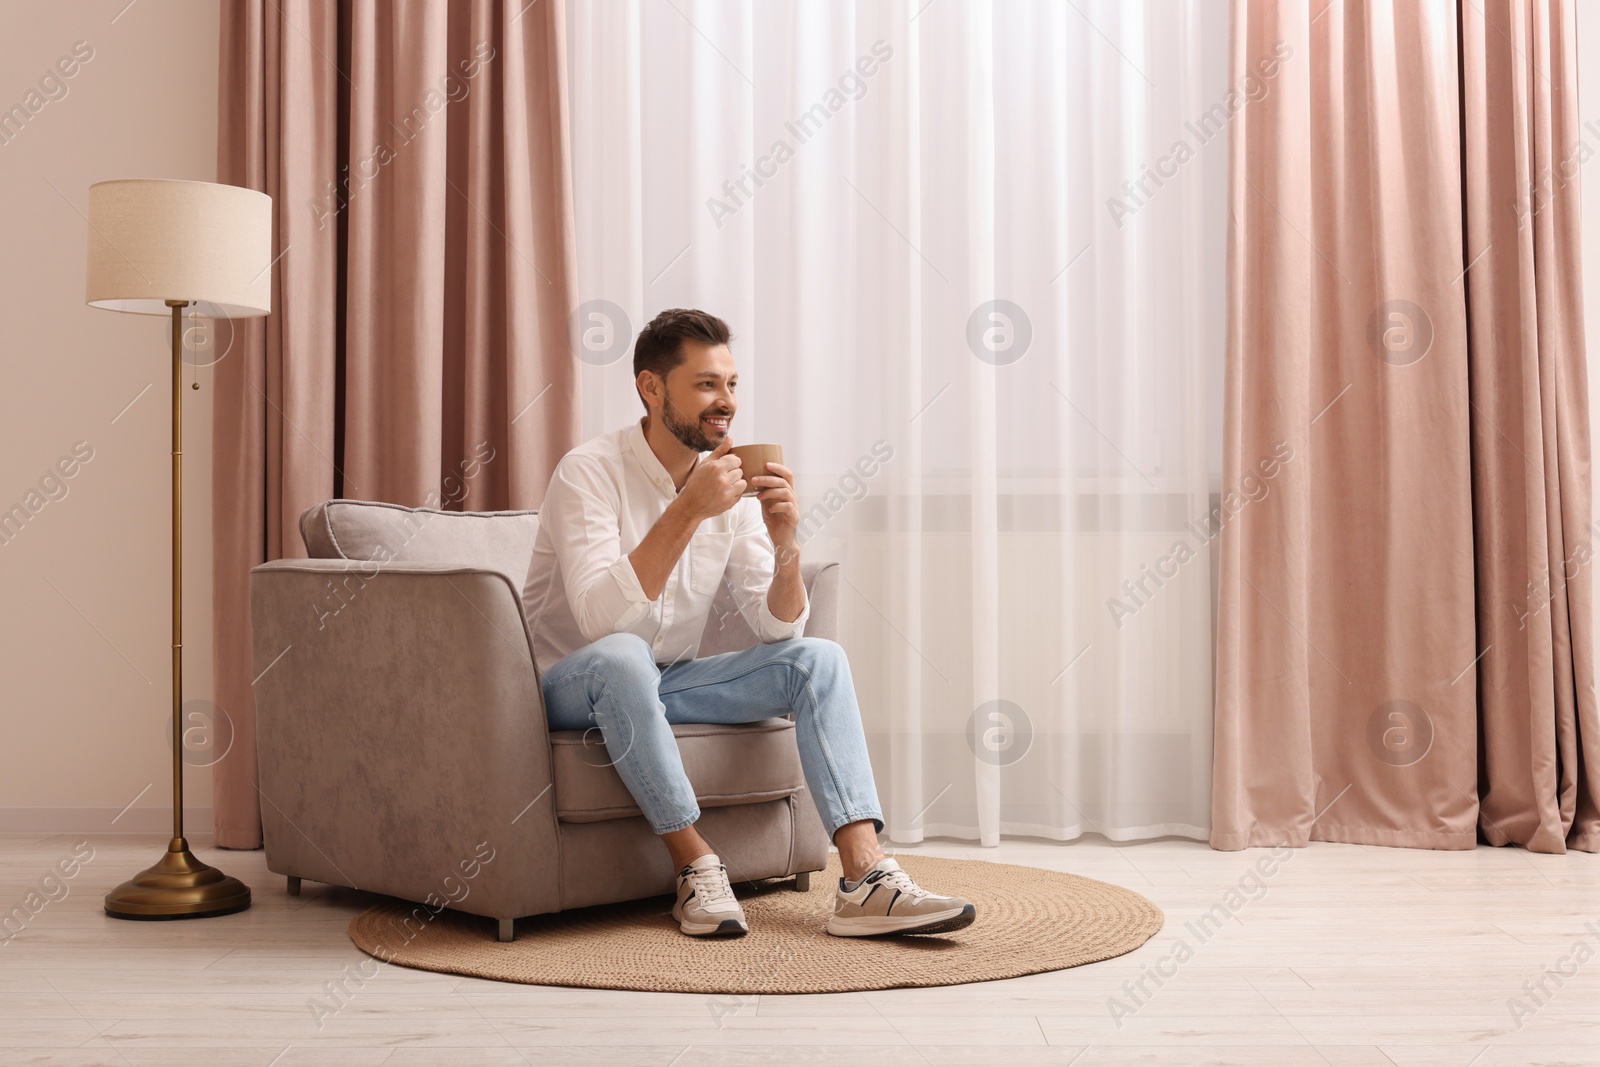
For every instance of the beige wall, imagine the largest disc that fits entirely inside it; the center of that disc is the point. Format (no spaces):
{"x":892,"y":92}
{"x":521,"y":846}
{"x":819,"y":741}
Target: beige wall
{"x":86,"y":584}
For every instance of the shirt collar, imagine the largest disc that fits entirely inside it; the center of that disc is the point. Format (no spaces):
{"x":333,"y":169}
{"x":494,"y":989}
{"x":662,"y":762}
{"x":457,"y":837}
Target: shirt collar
{"x":647,"y":459}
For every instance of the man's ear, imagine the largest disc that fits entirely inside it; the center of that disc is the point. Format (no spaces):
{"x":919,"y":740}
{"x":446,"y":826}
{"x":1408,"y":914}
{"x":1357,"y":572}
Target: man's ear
{"x":652,"y":386}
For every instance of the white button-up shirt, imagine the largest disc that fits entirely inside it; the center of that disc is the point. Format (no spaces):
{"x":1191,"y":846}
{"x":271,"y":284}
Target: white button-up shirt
{"x":604,"y":497}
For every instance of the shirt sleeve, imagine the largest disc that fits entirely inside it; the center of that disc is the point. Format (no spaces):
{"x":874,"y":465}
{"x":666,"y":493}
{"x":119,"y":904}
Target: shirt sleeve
{"x":751,"y":567}
{"x":581,"y":510}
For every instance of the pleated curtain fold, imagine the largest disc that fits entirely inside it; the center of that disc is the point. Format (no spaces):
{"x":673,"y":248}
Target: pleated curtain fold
{"x":417,"y":158}
{"x":1405,"y":647}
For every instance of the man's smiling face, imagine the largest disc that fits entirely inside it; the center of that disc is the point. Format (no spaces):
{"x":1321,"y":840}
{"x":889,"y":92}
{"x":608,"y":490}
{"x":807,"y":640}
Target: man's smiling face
{"x":699,"y":405}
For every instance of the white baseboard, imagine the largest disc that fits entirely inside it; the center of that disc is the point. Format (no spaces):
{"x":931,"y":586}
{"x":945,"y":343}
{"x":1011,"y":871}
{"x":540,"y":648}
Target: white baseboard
{"x":41,"y":819}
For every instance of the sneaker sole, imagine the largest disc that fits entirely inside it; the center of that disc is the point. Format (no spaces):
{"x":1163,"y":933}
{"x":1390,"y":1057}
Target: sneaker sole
{"x":872,"y":926}
{"x":725,"y":928}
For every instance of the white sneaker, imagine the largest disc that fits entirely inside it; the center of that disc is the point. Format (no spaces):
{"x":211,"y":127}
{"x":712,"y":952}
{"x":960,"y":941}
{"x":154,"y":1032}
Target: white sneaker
{"x":887,"y":901}
{"x":706,"y":905}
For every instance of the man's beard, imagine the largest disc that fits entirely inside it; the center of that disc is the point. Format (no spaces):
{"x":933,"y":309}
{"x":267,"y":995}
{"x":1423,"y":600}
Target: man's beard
{"x":689,"y":433}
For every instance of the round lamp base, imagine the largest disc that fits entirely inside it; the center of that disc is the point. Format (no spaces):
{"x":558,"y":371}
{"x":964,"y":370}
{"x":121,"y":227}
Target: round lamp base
{"x":177,"y":887}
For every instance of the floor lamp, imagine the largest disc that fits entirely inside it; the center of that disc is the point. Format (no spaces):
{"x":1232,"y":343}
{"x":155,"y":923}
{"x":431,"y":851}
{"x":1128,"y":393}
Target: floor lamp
{"x":155,"y":248}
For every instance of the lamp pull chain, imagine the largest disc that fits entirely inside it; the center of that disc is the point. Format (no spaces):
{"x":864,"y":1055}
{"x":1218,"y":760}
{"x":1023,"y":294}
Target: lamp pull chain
{"x":195,"y":367}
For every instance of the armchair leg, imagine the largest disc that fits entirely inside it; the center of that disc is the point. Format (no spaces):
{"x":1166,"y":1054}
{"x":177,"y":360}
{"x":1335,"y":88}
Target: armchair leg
{"x":294,"y":886}
{"x":802,"y":882}
{"x":507,"y":929}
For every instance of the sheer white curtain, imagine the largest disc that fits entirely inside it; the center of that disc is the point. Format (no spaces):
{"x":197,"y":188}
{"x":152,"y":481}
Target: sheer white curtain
{"x":853,"y":186}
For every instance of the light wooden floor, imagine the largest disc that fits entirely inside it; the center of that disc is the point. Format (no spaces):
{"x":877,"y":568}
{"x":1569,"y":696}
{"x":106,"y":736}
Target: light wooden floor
{"x":1346,"y":956}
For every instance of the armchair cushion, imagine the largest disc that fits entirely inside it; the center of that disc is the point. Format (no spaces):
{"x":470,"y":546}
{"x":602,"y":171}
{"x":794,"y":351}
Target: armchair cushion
{"x":740,"y":763}
{"x":370,"y":530}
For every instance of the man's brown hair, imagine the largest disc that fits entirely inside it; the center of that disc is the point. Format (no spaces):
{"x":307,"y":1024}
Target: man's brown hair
{"x":660,"y":344}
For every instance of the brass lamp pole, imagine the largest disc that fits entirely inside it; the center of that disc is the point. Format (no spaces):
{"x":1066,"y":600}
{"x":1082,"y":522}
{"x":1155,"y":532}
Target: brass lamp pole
{"x":155,"y":247}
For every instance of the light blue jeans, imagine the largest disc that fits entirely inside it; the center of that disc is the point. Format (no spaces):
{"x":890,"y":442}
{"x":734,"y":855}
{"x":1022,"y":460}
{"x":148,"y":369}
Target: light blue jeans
{"x":616,"y":684}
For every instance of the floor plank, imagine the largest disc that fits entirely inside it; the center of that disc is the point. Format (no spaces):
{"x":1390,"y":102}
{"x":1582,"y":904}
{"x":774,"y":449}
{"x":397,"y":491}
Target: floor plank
{"x":1346,"y":956}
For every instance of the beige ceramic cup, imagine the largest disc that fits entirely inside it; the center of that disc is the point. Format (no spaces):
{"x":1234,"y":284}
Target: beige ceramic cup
{"x":753,"y":460}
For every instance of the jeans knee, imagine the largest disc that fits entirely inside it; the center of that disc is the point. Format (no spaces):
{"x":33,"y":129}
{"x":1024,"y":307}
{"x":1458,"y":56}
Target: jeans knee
{"x":819,"y":650}
{"x":622,"y":657}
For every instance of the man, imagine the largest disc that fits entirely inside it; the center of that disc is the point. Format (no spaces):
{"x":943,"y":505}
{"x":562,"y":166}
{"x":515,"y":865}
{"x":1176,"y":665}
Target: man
{"x":639,"y":528}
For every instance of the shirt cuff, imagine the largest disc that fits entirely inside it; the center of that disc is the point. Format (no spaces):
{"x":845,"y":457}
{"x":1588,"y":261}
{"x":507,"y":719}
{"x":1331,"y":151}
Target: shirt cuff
{"x":775,"y":629}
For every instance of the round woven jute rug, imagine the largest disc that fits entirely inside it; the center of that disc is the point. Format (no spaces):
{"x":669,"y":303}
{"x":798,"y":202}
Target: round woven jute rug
{"x":1029,"y":920}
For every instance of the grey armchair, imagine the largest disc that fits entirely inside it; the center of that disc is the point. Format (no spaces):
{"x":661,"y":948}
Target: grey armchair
{"x":402,"y":741}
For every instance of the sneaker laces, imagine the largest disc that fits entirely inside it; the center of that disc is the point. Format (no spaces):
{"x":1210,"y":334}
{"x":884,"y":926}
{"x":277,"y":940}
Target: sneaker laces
{"x":899,"y":879}
{"x":711,"y":884}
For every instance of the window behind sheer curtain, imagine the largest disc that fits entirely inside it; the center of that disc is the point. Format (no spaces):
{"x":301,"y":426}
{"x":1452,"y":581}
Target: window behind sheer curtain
{"x":975,"y":289}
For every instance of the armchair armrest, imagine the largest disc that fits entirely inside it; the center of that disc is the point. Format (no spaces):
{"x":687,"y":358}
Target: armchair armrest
{"x":821,"y":579}
{"x":401,"y":735}
{"x":726,"y":630}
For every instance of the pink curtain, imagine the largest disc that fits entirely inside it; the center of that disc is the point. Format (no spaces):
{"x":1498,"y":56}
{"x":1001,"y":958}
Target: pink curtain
{"x":1404,"y":645}
{"x":1539,"y":767}
{"x":417,"y":352}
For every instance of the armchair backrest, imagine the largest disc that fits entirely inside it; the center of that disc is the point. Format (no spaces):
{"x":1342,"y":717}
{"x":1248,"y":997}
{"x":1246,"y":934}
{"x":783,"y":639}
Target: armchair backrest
{"x":502,"y":540}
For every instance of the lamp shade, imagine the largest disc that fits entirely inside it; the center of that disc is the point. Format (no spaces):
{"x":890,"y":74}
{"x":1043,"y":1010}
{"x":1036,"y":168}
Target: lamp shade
{"x":153,"y":240}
